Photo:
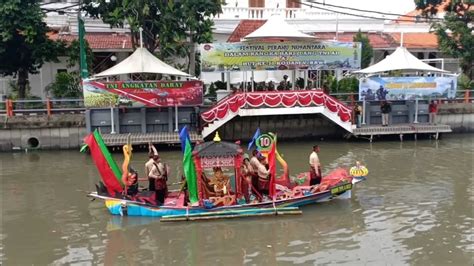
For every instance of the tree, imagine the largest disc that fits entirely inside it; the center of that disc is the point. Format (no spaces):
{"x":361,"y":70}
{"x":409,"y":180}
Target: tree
{"x":195,"y":16}
{"x":24,"y":44}
{"x":171,"y":26}
{"x":454,"y":33}
{"x":367,"y":50}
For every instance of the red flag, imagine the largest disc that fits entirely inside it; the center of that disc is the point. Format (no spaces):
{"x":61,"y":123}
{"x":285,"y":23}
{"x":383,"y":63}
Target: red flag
{"x":272,"y":166}
{"x":106,"y":173}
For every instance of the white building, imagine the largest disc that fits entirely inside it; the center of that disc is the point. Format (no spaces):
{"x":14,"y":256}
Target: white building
{"x":241,"y":17}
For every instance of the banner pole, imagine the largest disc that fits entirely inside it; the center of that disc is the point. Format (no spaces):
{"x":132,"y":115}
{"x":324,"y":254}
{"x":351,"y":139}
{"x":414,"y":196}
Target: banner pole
{"x":112,"y":122}
{"x":363,"y":112}
{"x":416,"y":111}
{"x":176,"y":117}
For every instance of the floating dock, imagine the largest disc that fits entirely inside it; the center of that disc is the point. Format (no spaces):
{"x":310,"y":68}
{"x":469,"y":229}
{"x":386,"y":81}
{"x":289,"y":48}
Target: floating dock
{"x":169,"y":138}
{"x":401,"y":129}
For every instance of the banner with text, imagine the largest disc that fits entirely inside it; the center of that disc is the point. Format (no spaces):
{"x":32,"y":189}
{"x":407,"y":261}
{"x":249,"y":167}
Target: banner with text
{"x":406,"y":88}
{"x":218,"y":57}
{"x":142,"y":93}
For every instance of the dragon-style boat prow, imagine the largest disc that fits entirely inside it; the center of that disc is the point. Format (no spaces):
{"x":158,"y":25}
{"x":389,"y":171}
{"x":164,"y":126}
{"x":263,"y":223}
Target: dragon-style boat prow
{"x":229,"y":193}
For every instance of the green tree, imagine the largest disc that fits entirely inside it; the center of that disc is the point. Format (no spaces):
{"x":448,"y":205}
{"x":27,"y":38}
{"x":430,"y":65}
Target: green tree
{"x":454,"y":33}
{"x":172,"y":27}
{"x":367,"y":50}
{"x":196,"y":18}
{"x":66,"y":85}
{"x":24,"y":44}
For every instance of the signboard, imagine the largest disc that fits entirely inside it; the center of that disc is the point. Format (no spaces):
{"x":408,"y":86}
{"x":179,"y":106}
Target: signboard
{"x":264,"y":142}
{"x":218,"y":57}
{"x":406,"y":88}
{"x":142,"y":93}
{"x":223,"y":161}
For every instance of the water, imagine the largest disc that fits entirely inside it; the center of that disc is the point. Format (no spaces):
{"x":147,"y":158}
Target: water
{"x":415,"y":208}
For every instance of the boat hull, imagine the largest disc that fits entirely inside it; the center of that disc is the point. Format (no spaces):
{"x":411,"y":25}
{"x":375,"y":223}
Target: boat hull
{"x":131,"y":208}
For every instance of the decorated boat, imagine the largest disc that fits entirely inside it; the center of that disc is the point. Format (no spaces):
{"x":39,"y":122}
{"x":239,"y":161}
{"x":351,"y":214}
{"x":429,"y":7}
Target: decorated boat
{"x":215,"y":184}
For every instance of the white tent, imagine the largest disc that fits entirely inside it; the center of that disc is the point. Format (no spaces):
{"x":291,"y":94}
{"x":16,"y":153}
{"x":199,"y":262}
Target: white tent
{"x":141,"y":61}
{"x":401,"y":59}
{"x":277,"y":28}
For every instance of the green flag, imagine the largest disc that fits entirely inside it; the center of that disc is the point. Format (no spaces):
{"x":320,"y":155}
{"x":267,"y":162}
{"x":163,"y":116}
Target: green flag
{"x":190,"y":172}
{"x":82,"y":45}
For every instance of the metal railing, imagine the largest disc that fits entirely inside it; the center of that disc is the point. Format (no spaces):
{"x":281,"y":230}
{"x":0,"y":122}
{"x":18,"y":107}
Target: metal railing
{"x":41,"y":107}
{"x":58,"y":106}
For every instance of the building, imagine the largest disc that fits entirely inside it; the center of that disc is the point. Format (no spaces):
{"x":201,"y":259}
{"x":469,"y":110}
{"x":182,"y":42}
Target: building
{"x":240,"y":17}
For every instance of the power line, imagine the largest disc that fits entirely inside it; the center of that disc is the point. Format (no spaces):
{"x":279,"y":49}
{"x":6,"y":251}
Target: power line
{"x":357,"y":15}
{"x":366,"y":11}
{"x":46,"y":10}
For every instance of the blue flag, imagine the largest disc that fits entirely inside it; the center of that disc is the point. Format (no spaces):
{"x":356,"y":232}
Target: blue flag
{"x":183,"y":136}
{"x":255,"y":137}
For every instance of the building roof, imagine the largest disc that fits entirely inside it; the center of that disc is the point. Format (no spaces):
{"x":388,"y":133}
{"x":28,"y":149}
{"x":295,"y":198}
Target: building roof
{"x":378,"y":40}
{"x":244,"y":28}
{"x":99,"y":41}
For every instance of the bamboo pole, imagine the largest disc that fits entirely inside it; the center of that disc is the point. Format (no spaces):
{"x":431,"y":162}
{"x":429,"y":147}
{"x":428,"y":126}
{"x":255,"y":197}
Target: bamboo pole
{"x":229,"y":216}
{"x":224,"y":212}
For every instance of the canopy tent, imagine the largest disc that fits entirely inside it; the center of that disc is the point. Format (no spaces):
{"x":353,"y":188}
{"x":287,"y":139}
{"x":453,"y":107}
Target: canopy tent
{"x":141,"y":61}
{"x":277,"y":28}
{"x":401,"y":59}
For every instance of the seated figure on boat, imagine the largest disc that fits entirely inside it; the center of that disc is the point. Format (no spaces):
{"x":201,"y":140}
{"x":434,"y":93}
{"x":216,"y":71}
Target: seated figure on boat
{"x":130,"y":181}
{"x":220,"y":182}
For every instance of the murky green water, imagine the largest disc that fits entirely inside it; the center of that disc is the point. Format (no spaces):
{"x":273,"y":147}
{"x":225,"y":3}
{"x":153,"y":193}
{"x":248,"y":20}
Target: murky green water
{"x":417,"y":207}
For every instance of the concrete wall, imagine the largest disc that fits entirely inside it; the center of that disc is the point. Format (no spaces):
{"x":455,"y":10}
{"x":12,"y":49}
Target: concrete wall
{"x":43,"y":138}
{"x":460,"y":116}
{"x":287,"y":127}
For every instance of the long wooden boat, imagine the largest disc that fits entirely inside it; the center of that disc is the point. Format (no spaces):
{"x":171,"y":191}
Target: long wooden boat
{"x":286,"y":200}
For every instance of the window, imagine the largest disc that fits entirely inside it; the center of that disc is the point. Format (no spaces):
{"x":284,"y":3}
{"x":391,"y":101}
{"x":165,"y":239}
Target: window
{"x":256,"y":3}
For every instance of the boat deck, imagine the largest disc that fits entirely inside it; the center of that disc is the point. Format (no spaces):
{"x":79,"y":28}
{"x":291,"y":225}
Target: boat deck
{"x":401,"y":129}
{"x":145,"y":138}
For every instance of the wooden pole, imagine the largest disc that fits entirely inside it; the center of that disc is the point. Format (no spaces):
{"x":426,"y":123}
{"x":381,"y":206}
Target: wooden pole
{"x":9,"y":107}
{"x":229,"y":216}
{"x":48,"y":106}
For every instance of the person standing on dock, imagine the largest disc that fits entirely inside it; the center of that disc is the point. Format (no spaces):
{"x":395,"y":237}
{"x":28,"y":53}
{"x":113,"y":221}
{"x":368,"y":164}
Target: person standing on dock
{"x":433,"y":109}
{"x":315,"y":167}
{"x":385,"y":109}
{"x":358,"y":114}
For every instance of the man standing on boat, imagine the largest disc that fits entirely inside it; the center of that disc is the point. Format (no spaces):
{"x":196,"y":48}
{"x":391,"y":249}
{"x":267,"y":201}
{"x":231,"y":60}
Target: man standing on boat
{"x":315,"y":167}
{"x":158,"y":173}
{"x":149,"y":165}
{"x":263,"y":175}
{"x":254,"y":163}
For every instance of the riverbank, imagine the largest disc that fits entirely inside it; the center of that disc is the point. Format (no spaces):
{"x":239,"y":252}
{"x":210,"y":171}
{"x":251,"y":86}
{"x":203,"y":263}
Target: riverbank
{"x":66,"y":131}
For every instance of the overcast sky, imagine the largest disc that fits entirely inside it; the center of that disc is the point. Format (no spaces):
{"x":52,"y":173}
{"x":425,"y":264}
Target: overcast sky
{"x":389,"y":6}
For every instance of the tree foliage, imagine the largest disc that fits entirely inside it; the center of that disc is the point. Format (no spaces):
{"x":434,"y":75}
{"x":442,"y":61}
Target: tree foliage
{"x":367,"y":50}
{"x":66,"y":85}
{"x":454,"y":33}
{"x":24,"y":44}
{"x":170,"y":26}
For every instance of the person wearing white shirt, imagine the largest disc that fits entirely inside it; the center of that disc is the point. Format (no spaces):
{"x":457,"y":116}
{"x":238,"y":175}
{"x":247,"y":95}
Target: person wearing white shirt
{"x":315,"y":166}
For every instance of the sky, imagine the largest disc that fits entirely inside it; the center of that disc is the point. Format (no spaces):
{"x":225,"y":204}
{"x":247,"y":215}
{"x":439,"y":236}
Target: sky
{"x":389,"y":6}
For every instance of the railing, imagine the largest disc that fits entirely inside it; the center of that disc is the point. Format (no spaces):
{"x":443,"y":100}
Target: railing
{"x":229,"y":12}
{"x":41,"y":107}
{"x":274,"y":99}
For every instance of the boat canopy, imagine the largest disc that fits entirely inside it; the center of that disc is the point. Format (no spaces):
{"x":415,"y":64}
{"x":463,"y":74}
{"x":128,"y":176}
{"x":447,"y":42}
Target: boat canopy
{"x":217,"y":149}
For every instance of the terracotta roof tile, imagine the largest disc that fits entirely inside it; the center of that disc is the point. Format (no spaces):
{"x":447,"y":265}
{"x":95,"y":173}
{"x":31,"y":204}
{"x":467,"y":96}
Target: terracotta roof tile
{"x":100,"y":41}
{"x":422,"y":40}
{"x":245,"y":27}
{"x":377,"y":40}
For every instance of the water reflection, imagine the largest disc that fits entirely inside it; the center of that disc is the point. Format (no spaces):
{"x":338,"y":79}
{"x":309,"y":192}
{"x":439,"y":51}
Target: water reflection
{"x":415,"y":208}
